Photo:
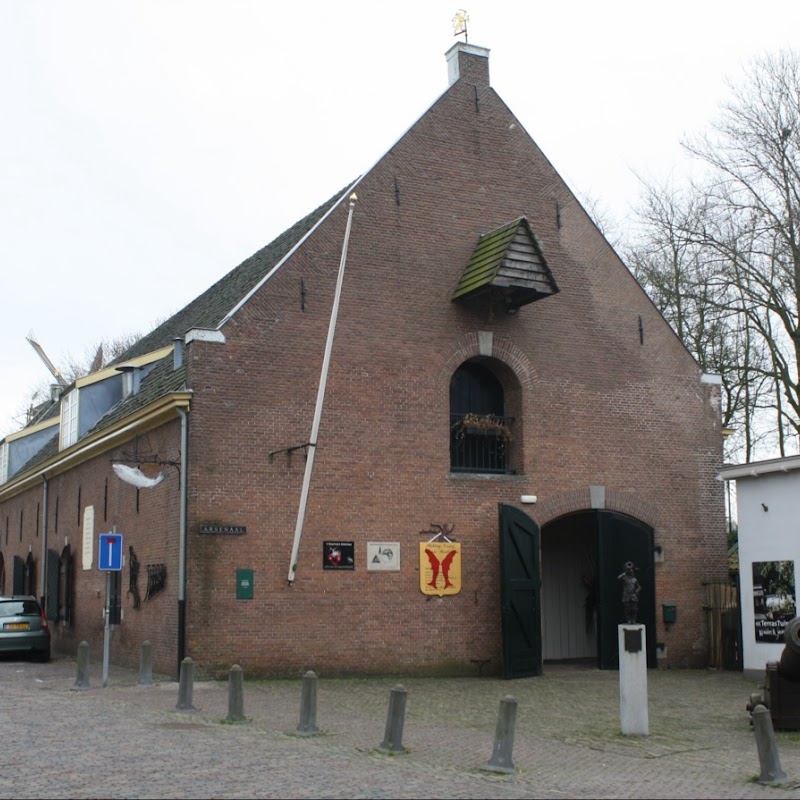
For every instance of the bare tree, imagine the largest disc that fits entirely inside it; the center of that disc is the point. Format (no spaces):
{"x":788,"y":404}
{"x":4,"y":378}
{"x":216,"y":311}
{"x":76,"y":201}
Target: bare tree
{"x":96,"y":356}
{"x":751,"y":223}
{"x":722,"y":258}
{"x":603,"y":218}
{"x":93,"y":360}
{"x":681,"y":278}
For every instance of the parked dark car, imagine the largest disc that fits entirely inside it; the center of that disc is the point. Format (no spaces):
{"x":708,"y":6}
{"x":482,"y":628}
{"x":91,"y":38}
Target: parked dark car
{"x":23,"y":627}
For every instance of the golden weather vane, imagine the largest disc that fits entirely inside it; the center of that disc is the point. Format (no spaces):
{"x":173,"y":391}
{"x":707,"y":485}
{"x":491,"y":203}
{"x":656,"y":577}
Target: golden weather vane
{"x":460,"y":24}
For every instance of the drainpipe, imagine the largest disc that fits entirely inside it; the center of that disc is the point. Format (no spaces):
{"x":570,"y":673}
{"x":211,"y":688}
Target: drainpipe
{"x":312,"y":442}
{"x":182,"y":540}
{"x":43,"y":570}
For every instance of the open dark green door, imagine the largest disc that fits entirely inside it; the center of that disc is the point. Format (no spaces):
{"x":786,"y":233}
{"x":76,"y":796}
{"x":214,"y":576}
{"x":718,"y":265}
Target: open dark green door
{"x":520,"y":583}
{"x":619,"y":539}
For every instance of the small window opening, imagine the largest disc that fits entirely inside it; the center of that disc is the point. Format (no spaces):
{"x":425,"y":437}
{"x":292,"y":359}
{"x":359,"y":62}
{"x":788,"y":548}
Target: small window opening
{"x":480,"y":432}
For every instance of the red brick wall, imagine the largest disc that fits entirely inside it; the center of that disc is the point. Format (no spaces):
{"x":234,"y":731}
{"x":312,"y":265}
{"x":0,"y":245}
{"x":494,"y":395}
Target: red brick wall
{"x":152,"y":530}
{"x":594,"y":405}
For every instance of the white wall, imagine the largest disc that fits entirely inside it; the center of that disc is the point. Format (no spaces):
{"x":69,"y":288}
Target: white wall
{"x":771,"y":535}
{"x":566,"y":559}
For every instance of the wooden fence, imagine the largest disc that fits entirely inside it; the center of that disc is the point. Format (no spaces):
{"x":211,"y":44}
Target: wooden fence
{"x":724,"y":625}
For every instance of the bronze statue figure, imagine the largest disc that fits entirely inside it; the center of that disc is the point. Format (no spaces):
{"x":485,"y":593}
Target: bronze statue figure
{"x":630,"y":592}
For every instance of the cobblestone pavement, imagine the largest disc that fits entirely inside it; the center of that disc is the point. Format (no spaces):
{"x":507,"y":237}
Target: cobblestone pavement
{"x":130,"y":741}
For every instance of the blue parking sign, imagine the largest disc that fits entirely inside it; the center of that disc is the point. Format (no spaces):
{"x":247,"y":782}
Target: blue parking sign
{"x":110,"y":556}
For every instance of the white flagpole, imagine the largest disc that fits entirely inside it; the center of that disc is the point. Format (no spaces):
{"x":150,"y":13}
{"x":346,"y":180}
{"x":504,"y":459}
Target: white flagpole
{"x":312,"y":442}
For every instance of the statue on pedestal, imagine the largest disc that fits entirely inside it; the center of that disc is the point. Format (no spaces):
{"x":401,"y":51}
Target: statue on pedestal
{"x":630,"y":592}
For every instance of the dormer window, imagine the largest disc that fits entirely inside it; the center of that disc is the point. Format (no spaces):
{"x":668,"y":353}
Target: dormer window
{"x":3,"y":462}
{"x":69,"y":419}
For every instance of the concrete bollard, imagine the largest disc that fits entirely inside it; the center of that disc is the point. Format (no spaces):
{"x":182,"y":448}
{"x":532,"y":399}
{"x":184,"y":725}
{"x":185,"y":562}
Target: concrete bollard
{"x":771,"y":771}
{"x":235,"y":694}
{"x":82,"y":676}
{"x":186,"y":686}
{"x":504,"y":737}
{"x":633,"y":703}
{"x":146,"y":664}
{"x":308,"y":706}
{"x":393,"y":737}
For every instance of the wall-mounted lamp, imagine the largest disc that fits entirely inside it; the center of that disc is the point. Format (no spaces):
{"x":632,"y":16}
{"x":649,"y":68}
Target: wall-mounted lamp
{"x":528,"y":498}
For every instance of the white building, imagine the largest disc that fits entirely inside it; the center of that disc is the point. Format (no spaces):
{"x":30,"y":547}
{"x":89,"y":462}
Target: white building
{"x":768,"y":513}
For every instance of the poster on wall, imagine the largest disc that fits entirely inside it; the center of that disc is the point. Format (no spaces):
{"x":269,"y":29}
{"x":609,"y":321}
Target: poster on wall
{"x":773,"y":599}
{"x":87,"y":550}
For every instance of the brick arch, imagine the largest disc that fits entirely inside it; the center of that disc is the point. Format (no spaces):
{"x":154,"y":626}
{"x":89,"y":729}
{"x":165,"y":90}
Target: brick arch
{"x":572,"y":501}
{"x":475,"y":344}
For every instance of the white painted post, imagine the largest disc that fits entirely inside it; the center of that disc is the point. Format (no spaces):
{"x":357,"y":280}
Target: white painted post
{"x":633,"y":713}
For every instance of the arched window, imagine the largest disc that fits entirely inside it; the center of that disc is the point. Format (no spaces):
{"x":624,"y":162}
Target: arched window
{"x":65,"y":585}
{"x":480,"y":433}
{"x":18,"y":576}
{"x":30,"y":575}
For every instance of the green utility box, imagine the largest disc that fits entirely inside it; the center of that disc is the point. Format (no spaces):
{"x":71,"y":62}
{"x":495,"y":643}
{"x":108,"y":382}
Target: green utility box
{"x":670,"y":612}
{"x":244,"y":584}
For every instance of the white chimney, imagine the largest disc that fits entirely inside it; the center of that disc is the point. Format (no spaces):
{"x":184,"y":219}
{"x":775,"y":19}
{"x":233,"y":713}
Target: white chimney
{"x":468,"y":62}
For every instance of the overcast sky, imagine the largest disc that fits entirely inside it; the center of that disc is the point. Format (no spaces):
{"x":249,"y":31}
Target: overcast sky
{"x":147,"y":148}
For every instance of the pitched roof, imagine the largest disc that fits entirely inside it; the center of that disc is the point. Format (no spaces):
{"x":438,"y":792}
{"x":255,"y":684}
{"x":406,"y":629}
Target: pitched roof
{"x":162,"y":380}
{"x":210,"y":308}
{"x":206,"y":311}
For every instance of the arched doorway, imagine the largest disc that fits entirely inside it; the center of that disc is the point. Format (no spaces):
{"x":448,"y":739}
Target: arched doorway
{"x":583,"y":555}
{"x":569,"y":607}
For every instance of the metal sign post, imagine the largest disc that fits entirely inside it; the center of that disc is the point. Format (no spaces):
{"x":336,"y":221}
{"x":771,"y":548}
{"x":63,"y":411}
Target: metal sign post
{"x":107,"y":629}
{"x":109,"y":559}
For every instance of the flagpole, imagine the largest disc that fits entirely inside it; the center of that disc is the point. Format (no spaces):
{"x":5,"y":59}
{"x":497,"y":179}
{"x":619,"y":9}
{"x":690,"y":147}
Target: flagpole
{"x":312,"y":442}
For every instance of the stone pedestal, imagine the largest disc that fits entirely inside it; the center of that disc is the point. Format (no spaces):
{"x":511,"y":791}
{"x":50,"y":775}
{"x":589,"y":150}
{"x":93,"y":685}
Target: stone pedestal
{"x":633,"y":713}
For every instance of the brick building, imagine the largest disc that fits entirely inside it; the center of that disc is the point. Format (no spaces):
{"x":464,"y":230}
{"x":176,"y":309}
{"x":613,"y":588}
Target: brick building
{"x":506,"y":420}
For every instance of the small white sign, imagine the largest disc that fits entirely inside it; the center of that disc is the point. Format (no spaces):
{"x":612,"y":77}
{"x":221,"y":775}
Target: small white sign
{"x":87,"y":552}
{"x":383,"y":556}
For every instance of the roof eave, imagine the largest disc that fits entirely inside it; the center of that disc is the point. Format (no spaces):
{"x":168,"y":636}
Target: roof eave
{"x":154,"y":415}
{"x":756,"y":468}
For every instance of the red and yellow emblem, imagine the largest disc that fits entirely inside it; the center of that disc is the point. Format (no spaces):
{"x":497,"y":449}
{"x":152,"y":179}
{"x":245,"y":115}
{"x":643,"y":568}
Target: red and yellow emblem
{"x":440,"y":568}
